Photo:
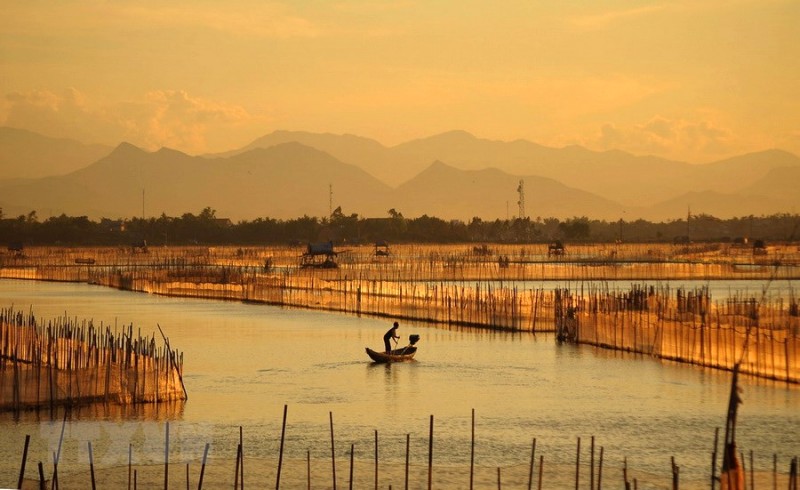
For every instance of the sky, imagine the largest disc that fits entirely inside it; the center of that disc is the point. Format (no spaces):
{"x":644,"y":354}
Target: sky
{"x":691,"y":80}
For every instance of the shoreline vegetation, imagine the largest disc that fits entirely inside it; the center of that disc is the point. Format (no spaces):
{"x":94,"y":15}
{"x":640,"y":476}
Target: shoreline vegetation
{"x":484,"y":286}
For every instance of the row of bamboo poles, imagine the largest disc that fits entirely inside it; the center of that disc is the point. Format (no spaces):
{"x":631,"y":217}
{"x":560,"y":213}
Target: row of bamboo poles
{"x":416,"y":285}
{"x":70,"y":362}
{"x":687,"y":327}
{"x":589,"y":470}
{"x":449,"y":262}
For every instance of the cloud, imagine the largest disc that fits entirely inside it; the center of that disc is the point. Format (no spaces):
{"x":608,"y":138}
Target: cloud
{"x":171,"y":118}
{"x":673,"y":138}
{"x":605,"y":19}
{"x":263,"y":19}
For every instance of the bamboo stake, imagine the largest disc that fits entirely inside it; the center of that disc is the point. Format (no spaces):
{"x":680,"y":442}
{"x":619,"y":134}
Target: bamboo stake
{"x":241,"y":463}
{"x":166,"y":458}
{"x":130,"y":460}
{"x":430,"y":455}
{"x":91,"y":466}
{"x":41,"y":477}
{"x":352,"y":451}
{"x":600,"y":470}
{"x":202,"y":468}
{"x":333,"y":452}
{"x":408,"y":447}
{"x":541,"y":472}
{"x":472,"y":450}
{"x":533,"y":458}
{"x":578,"y":465}
{"x":280,"y":452}
{"x":24,"y":460}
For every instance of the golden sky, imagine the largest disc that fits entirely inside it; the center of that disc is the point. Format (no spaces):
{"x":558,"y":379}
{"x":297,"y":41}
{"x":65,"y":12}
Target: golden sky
{"x":693,"y":80}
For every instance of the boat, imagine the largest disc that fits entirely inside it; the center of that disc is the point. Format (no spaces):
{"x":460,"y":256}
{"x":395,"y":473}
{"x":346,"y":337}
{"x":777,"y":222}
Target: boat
{"x":397,"y":355}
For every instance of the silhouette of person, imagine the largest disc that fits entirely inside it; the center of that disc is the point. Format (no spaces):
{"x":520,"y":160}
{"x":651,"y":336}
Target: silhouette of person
{"x":389,"y":335}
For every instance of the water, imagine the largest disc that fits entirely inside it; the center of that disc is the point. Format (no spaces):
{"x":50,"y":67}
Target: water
{"x":244,"y":362}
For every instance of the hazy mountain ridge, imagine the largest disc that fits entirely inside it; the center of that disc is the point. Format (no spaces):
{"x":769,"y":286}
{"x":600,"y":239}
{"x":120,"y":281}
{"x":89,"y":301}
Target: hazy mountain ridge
{"x":25,"y":154}
{"x":294,"y":174}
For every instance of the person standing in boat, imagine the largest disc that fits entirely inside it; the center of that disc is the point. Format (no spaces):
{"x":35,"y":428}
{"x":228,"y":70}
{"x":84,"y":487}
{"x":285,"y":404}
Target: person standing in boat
{"x":389,"y":335}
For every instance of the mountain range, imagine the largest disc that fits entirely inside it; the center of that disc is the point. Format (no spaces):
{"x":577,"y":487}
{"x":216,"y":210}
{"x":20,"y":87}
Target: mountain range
{"x":454,"y":175}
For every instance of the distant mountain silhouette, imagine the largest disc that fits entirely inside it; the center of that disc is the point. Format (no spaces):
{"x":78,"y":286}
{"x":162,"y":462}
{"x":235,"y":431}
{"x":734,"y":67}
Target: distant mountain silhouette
{"x":288,"y":174}
{"x":443,"y":190}
{"x":285,"y":181}
{"x":25,"y":154}
{"x":365,"y":153}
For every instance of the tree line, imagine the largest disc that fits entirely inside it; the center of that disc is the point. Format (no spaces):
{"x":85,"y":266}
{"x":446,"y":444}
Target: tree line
{"x":205,"y":228}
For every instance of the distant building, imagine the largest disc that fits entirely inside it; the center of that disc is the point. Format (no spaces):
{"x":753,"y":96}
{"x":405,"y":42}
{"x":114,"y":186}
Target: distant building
{"x":113,"y":225}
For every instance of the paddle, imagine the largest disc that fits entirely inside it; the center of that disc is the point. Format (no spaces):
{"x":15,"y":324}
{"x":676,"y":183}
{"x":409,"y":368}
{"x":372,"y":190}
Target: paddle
{"x":404,"y":348}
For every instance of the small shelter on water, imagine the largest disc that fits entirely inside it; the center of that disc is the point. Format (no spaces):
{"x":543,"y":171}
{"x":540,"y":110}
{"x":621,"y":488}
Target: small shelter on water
{"x":382,"y":248}
{"x":320,"y":256}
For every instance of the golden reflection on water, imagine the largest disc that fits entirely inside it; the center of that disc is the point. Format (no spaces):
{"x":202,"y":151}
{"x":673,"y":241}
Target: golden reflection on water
{"x":243,"y":363}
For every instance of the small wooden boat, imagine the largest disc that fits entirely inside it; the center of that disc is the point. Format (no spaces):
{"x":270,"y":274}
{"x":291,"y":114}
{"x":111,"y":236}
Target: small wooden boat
{"x":397,"y":355}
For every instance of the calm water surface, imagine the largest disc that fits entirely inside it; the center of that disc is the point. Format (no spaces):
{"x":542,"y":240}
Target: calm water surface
{"x":244,"y":362}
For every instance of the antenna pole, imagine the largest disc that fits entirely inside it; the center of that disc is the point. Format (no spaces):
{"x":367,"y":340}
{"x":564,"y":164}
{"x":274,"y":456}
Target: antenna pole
{"x":521,"y":202}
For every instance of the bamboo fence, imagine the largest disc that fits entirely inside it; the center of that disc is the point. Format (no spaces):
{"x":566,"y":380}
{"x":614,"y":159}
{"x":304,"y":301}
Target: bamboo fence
{"x":67,"y":362}
{"x":687,"y":326}
{"x":359,"y":465}
{"x":479,"y":287}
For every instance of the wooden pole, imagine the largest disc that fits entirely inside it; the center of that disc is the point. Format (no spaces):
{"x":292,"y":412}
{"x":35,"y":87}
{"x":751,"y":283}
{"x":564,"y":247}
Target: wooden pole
{"x":241,"y":462}
{"x":774,"y":471}
{"x":472,"y":451}
{"x":600,"y":470}
{"x":202,"y":468}
{"x":541,"y":472}
{"x":166,"y":458}
{"x":376,"y":459}
{"x":54,"y":482}
{"x":280,"y":452}
{"x":675,"y":474}
{"x":578,"y":465}
{"x":408,"y":450}
{"x":238,"y":460}
{"x":130,"y":461}
{"x":333,"y":453}
{"x":41,"y":477}
{"x":24,"y":460}
{"x":352,"y":451}
{"x":430,"y":455}
{"x":91,"y":466}
{"x":533,"y":458}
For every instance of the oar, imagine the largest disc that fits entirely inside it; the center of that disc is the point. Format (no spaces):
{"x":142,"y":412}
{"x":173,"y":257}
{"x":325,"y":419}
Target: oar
{"x":404,"y":348}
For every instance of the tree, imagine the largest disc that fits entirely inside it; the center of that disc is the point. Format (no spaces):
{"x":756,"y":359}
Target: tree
{"x":393,"y":213}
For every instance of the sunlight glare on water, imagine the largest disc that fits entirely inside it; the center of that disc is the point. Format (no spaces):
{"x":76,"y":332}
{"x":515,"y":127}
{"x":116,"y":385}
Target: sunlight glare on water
{"x":244,"y":362}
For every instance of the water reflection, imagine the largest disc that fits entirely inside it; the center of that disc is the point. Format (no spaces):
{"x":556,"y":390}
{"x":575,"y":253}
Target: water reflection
{"x":244,"y":362}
